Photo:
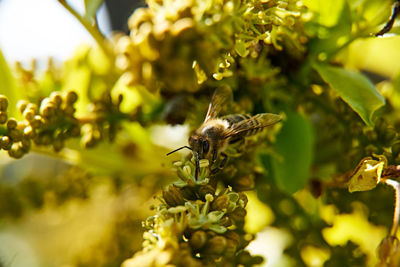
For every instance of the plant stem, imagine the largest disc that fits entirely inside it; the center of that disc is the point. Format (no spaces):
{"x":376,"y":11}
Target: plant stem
{"x":396,"y":215}
{"x":93,"y":30}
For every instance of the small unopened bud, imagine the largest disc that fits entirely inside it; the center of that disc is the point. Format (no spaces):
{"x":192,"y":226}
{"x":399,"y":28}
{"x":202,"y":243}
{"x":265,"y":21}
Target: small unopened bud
{"x":56,"y":98}
{"x":3,"y":117}
{"x":36,"y":122}
{"x":233,"y":236}
{"x":173,"y":196}
{"x":198,"y":239}
{"x":28,"y":132}
{"x":3,"y":103}
{"x":231,"y":247}
{"x":15,"y":151}
{"x":28,"y":114}
{"x":244,"y":183}
{"x":21,"y":105}
{"x":71,"y":97}
{"x":5,"y":142}
{"x":25,"y":144}
{"x":188,"y":193}
{"x":206,"y":189}
{"x":238,"y":215}
{"x":12,"y":124}
{"x":221,"y":203}
{"x":15,"y":134}
{"x":243,"y":199}
{"x":216,"y":245}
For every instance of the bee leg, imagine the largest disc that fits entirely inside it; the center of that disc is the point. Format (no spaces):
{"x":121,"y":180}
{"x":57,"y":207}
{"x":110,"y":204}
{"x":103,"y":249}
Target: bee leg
{"x":223,"y":162}
{"x":197,"y":166}
{"x":196,"y":172}
{"x":214,"y":156}
{"x":221,"y":165}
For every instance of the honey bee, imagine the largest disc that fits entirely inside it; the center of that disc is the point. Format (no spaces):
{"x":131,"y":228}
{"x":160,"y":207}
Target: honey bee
{"x":212,"y":138}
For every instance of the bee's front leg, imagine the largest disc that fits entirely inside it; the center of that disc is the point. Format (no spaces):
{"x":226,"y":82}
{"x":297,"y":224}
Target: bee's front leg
{"x":214,"y":156}
{"x":197,"y":166}
{"x":221,"y":165}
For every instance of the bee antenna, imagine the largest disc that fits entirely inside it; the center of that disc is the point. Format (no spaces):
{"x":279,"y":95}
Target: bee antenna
{"x":179,"y":149}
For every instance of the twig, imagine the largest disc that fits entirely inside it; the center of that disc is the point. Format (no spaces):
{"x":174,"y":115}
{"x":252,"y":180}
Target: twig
{"x":396,"y":215}
{"x":93,"y":30}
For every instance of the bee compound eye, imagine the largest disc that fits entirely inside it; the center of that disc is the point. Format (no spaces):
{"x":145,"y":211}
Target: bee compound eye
{"x":206,"y":146}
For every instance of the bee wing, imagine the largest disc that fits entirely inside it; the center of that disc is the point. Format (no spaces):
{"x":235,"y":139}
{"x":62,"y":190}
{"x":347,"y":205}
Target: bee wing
{"x":257,"y":122}
{"x":220,"y":98}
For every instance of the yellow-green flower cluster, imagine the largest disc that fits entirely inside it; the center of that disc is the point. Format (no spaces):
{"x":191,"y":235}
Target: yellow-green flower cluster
{"x":177,"y":45}
{"x":196,"y":224}
{"x":48,"y":123}
{"x":53,"y":121}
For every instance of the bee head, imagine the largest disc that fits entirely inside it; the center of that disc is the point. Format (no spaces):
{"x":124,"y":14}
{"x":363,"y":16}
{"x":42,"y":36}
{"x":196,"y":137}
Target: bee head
{"x":199,"y":144}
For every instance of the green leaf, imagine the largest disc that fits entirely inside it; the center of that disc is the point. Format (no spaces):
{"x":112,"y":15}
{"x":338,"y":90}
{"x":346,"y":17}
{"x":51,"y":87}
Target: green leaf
{"x":327,"y":12}
{"x":331,"y":27}
{"x":294,"y":145}
{"x":8,"y":87}
{"x":354,"y":88}
{"x":91,"y":7}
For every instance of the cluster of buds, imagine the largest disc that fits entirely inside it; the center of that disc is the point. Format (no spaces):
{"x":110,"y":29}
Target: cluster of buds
{"x":49,"y":123}
{"x":53,"y":120}
{"x":202,"y":40}
{"x":199,"y":222}
{"x":104,"y":122}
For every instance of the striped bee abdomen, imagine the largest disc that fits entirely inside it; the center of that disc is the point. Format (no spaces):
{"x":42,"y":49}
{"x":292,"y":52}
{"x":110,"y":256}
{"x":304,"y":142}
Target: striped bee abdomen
{"x":254,"y":126}
{"x":235,"y":118}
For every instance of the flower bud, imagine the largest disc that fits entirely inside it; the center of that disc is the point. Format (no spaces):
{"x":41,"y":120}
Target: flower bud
{"x":71,"y":97}
{"x":198,"y":239}
{"x":15,"y":151}
{"x":225,"y":221}
{"x":28,"y":114}
{"x":12,"y":124}
{"x":232,"y":235}
{"x":3,"y":117}
{"x":15,"y":134}
{"x":221,"y":203}
{"x":231,"y":247}
{"x":21,"y":105}
{"x":238,"y":215}
{"x":206,"y":189}
{"x":3,"y":103}
{"x":28,"y":132}
{"x":188,"y":193}
{"x":5,"y":142}
{"x":216,"y":245}
{"x":244,"y":183}
{"x":242,"y":199}
{"x":56,"y":98}
{"x":37,"y":122}
{"x":173,"y":196}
